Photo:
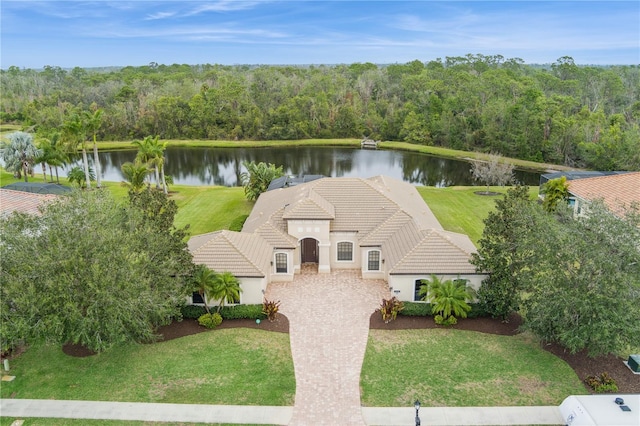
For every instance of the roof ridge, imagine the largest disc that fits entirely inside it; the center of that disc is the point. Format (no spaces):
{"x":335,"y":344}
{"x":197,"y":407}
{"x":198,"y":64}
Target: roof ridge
{"x":247,"y":234}
{"x":312,"y":190}
{"x":426,"y":233}
{"x":205,"y":243}
{"x":386,"y":221}
{"x":377,"y":188}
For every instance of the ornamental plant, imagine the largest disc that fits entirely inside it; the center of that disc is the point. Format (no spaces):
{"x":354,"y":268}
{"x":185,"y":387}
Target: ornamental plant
{"x":389,"y":309}
{"x":270,"y":308}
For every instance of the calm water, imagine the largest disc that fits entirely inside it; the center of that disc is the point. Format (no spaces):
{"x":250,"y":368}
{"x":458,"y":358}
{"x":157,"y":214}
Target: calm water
{"x":223,"y":166}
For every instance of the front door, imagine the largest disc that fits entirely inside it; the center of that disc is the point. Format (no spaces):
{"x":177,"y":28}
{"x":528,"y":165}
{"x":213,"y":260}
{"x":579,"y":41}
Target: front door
{"x":309,"y":248}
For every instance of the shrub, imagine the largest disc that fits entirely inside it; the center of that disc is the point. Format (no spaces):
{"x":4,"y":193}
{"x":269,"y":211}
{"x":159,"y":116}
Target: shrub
{"x":451,"y":320}
{"x":477,"y":310}
{"x":210,"y":320}
{"x":242,"y":312}
{"x":238,"y":223}
{"x":389,"y":309}
{"x":601,"y":384}
{"x":415,"y":309}
{"x":270,"y":309}
{"x":192,"y":311}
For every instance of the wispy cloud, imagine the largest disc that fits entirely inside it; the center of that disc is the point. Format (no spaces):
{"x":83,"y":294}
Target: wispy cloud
{"x":225,"y":6}
{"x":159,"y":15}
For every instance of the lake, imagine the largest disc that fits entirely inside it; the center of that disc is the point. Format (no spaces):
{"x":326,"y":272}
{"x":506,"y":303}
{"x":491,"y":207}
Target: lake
{"x":223,"y":166}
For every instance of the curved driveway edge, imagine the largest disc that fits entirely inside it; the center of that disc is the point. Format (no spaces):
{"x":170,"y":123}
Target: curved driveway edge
{"x":328,"y":329}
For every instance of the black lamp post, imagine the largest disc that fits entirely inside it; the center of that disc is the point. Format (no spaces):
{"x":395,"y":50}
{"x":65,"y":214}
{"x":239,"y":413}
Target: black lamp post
{"x":416,"y":405}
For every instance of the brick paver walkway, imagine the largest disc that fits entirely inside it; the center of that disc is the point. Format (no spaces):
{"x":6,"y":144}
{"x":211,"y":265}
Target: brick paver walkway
{"x":328,"y":327}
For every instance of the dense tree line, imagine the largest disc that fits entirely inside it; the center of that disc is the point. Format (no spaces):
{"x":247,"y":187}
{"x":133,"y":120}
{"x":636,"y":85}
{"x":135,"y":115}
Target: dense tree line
{"x":564,"y":113}
{"x":575,"y":280}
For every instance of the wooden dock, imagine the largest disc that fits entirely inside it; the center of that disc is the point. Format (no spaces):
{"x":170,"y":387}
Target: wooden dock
{"x":369,"y":144}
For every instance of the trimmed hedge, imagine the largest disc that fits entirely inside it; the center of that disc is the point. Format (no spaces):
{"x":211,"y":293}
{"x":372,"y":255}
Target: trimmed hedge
{"x":416,"y":309}
{"x":192,"y":311}
{"x":242,"y":312}
{"x":227,"y":312}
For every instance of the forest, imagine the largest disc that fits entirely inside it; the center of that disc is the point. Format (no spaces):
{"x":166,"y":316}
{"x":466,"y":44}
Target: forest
{"x":563,"y":113}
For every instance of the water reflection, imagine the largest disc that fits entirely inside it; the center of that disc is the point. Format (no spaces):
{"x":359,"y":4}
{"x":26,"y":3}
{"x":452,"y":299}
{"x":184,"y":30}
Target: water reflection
{"x":223,"y":166}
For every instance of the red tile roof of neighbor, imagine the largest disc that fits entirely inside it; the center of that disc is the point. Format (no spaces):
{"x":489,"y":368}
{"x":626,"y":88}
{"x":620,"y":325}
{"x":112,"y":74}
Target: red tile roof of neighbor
{"x":24,"y":202}
{"x":617,"y":191}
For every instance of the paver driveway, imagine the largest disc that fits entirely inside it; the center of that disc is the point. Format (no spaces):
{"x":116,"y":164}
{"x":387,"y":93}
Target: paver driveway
{"x":328,"y":328}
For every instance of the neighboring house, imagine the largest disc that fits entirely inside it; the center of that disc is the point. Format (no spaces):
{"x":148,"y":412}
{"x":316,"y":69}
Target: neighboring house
{"x":379,"y":226}
{"x":23,"y":202}
{"x":619,"y":192}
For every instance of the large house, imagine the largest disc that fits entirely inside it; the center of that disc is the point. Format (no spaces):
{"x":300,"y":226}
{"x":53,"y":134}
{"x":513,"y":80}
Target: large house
{"x":379,"y":226}
{"x":618,"y":190}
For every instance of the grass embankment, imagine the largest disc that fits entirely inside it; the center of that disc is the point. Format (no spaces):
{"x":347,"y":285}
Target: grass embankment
{"x":444,"y":367}
{"x":460,"y":209}
{"x":230,"y":367}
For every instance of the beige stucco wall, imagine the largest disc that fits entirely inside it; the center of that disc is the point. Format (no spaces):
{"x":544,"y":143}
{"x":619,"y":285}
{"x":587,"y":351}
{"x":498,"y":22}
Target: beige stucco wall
{"x":318,"y":230}
{"x":252,"y":290}
{"x":403,"y":285}
{"x":280,"y":276}
{"x":338,"y":237}
{"x":364,"y":259}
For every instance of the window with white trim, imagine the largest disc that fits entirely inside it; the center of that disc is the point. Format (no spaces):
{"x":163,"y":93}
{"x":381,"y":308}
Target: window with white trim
{"x":281,"y":263}
{"x":373,"y":260}
{"x":345,"y":251}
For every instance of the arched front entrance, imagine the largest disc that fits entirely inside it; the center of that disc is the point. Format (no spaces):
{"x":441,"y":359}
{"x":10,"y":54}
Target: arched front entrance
{"x":309,"y":250}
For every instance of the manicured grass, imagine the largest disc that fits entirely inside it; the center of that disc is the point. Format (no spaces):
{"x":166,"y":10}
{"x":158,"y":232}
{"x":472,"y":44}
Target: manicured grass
{"x":5,"y":421}
{"x":209,"y":208}
{"x":230,"y":367}
{"x":460,"y":209}
{"x":444,"y":367}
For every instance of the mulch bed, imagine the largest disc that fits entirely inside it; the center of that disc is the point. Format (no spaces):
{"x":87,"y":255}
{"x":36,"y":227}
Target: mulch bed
{"x":581,"y":363}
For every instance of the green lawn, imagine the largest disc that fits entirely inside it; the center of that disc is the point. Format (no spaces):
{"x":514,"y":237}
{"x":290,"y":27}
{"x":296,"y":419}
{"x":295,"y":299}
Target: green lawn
{"x":459,"y":209}
{"x":6,"y":421}
{"x":444,"y":367}
{"x":229,"y":367}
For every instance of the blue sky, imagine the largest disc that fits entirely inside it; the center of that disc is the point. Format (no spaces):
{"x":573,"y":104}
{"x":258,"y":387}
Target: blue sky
{"x":117,"y":33}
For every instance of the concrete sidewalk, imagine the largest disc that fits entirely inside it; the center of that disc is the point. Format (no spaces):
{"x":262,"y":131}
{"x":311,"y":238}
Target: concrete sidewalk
{"x":196,"y":413}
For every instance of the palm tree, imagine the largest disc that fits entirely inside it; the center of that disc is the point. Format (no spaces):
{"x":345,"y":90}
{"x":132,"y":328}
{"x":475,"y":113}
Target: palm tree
{"x":135,"y":174}
{"x":204,"y":280}
{"x":92,"y":124}
{"x":449,"y":298}
{"x":226,"y":289}
{"x":76,"y":174}
{"x":151,"y":151}
{"x":75,"y":132}
{"x":19,"y":153}
{"x":53,"y":154}
{"x":257,"y":178}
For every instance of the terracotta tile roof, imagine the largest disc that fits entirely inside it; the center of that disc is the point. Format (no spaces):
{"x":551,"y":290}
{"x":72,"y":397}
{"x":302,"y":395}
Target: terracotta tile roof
{"x":24,"y":202}
{"x":617,"y":191}
{"x":242,"y":254}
